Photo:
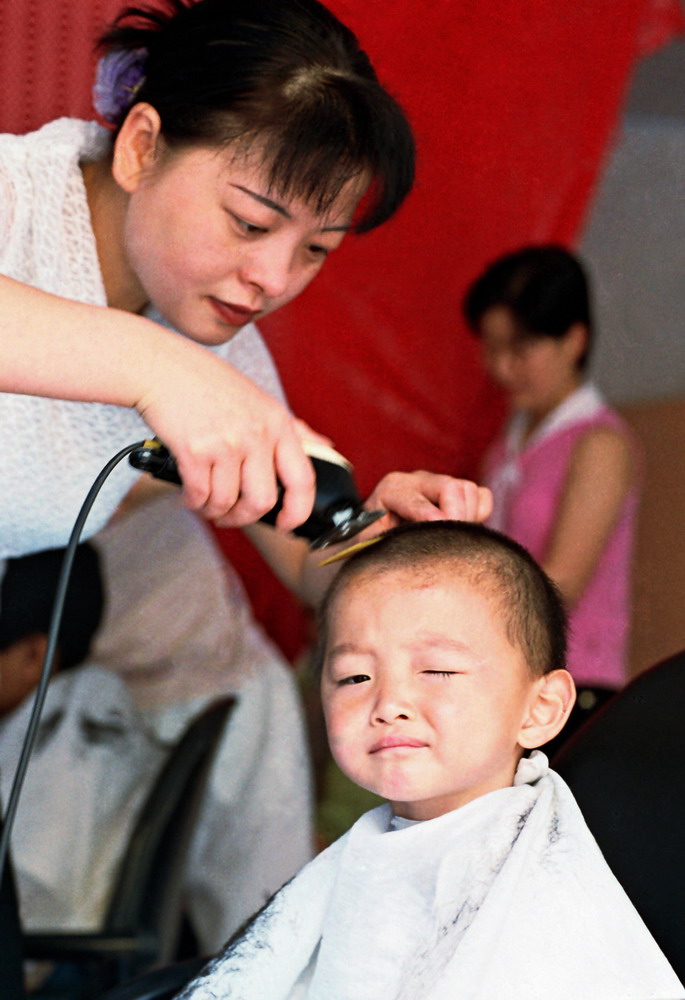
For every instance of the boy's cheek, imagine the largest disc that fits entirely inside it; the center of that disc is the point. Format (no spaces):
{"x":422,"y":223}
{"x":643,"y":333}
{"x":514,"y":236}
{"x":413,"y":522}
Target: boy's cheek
{"x":341,"y":740}
{"x":336,"y":733}
{"x":340,"y":751}
{"x":344,"y":727}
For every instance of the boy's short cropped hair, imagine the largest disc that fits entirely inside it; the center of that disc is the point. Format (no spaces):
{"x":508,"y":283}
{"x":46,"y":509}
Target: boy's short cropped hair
{"x":532,"y":608}
{"x":27,"y":596}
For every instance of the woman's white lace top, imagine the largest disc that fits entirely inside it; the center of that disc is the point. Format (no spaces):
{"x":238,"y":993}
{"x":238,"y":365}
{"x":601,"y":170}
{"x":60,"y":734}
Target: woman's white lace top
{"x":52,"y":450}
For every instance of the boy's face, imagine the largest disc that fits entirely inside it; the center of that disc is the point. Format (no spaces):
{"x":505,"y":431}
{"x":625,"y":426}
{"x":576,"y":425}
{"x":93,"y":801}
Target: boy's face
{"x":424,"y":696}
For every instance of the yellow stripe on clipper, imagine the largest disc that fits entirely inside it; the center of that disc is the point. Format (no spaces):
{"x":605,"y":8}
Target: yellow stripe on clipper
{"x":350,"y":550}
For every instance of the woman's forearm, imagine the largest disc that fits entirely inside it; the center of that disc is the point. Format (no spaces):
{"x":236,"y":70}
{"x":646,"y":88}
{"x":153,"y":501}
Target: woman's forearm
{"x":230,"y":439}
{"x":51,"y":346}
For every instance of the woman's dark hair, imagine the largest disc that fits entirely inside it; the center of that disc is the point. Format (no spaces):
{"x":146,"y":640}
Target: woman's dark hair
{"x":284,"y":74}
{"x":27,"y":595}
{"x":545,"y":288}
{"x":531,"y":607}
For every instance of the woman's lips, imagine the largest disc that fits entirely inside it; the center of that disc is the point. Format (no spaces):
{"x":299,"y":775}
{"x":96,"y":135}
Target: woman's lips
{"x":231,"y":314}
{"x":392,"y":742}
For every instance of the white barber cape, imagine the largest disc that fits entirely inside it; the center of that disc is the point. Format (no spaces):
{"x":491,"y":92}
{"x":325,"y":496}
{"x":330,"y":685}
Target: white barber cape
{"x":507,"y":898}
{"x":93,"y":762}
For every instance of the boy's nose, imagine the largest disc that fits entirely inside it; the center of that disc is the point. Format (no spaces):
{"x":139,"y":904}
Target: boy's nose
{"x":391,"y":706}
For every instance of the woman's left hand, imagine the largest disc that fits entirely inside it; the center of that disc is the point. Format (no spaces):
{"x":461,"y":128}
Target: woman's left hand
{"x":428,"y":496}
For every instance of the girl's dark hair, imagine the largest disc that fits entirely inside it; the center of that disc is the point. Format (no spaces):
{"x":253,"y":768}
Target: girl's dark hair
{"x":545,"y":288}
{"x":531,"y":607}
{"x":285,"y":74}
{"x":27,"y":595}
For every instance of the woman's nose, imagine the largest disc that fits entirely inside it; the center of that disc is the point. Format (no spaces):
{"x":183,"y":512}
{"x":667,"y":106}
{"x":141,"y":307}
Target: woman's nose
{"x":270,"y":268}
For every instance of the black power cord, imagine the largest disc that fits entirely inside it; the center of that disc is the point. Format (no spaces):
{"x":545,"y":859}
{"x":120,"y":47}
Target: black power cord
{"x":46,"y":669}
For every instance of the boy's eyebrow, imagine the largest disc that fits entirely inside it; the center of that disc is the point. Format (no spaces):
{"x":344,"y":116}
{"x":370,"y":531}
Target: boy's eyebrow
{"x":282,"y":210}
{"x":346,"y":647}
{"x":431,"y":640}
{"x":427,"y":640}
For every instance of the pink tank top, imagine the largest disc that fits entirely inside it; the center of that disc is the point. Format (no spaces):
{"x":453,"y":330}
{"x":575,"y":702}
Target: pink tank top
{"x":527,"y":509}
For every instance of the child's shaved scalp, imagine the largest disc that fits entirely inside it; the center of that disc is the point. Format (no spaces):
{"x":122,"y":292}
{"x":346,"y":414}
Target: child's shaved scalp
{"x":531,"y":606}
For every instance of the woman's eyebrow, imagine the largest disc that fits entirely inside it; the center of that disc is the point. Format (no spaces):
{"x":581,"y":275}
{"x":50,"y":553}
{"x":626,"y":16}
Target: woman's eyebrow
{"x":263,"y":200}
{"x":282,"y":210}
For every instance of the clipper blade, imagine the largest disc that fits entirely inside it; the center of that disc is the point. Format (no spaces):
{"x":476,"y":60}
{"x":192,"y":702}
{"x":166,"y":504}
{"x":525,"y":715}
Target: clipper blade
{"x":350,"y":550}
{"x":347,"y":529}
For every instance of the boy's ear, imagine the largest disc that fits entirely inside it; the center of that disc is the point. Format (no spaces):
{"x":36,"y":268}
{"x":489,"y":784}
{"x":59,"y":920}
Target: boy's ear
{"x":551,"y":702}
{"x":136,"y":147}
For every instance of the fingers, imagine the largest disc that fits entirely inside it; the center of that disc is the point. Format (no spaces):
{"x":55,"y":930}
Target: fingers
{"x":485,"y":503}
{"x":296,"y":475}
{"x":234,"y":491}
{"x":242,"y":493}
{"x":259,"y":488}
{"x":427,"y":496}
{"x":196,"y":476}
{"x":463,"y":500}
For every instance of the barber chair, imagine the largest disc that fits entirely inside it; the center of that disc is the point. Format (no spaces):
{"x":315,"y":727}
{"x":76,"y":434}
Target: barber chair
{"x":626,"y":768}
{"x":142,"y":927}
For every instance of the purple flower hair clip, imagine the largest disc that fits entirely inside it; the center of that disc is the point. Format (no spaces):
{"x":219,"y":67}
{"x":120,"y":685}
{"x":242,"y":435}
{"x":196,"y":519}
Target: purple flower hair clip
{"x":119,"y":76}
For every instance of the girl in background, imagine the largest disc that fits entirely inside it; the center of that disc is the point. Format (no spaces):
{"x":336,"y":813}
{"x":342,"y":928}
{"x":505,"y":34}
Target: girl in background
{"x":563,"y":471}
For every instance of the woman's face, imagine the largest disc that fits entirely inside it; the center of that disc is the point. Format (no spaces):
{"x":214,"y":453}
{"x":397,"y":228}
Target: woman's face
{"x":537,"y":373}
{"x":213,"y":248}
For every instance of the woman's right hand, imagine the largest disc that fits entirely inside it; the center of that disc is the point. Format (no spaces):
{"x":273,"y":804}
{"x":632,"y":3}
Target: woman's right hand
{"x":230,"y":440}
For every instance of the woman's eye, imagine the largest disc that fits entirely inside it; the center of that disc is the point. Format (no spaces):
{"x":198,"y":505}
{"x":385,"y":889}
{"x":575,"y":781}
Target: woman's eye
{"x":441,"y":673}
{"x":354,"y":679}
{"x":318,"y":251}
{"x":249,"y":228}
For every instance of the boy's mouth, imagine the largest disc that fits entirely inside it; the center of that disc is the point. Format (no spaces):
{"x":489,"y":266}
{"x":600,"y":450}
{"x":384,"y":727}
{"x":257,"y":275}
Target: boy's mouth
{"x":392,"y":742}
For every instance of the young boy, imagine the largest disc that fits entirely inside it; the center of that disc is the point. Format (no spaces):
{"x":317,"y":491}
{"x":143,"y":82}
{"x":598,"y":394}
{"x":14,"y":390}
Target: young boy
{"x":87,"y":774}
{"x":442,"y":650}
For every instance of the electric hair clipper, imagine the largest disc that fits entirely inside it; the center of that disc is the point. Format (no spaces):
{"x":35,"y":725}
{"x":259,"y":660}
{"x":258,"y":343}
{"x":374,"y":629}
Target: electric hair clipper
{"x":337,"y":513}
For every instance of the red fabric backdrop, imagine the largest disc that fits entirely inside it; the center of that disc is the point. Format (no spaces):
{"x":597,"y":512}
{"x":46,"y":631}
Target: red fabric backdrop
{"x":514,"y":107}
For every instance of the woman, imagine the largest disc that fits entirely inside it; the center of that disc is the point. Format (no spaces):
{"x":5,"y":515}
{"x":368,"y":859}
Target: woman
{"x":245,"y":135}
{"x":563,"y":472}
